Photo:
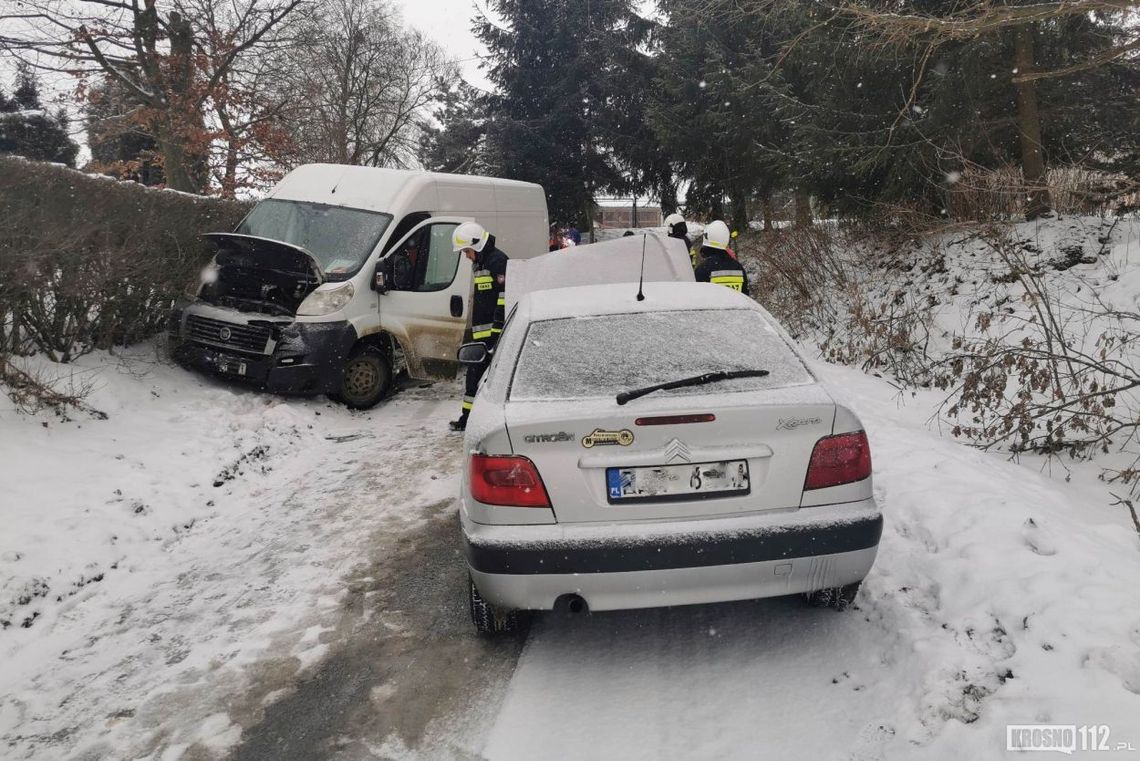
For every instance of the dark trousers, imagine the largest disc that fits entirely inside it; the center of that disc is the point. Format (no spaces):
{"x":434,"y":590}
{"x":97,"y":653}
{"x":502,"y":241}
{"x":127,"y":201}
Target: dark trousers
{"x":474,"y":374}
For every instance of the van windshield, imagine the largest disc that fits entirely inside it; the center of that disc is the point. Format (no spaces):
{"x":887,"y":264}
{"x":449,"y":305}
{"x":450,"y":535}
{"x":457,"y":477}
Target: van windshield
{"x":340,"y":239}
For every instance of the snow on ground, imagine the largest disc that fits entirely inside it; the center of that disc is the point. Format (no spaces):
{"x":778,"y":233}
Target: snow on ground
{"x":166,"y":573}
{"x":1000,"y":596}
{"x":161,"y":567}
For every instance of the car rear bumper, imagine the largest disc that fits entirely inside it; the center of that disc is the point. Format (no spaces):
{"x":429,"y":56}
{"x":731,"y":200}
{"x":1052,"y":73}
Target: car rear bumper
{"x":679,"y":563}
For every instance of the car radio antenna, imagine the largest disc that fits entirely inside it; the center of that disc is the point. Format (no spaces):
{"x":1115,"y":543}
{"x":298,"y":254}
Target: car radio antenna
{"x":641,"y":277}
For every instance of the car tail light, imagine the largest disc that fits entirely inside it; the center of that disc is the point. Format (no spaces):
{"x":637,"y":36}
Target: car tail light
{"x":508,"y":481}
{"x":841,"y":459}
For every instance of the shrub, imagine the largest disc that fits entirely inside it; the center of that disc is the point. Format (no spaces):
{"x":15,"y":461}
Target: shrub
{"x":91,"y":263}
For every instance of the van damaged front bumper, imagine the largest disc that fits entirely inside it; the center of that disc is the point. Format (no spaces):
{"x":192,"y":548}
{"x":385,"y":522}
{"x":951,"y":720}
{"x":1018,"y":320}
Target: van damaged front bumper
{"x":301,"y":358}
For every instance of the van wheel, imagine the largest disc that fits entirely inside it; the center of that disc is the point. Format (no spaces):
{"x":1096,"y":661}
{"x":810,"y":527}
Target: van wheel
{"x":489,"y":619}
{"x":366,"y":378}
{"x":839,"y":598}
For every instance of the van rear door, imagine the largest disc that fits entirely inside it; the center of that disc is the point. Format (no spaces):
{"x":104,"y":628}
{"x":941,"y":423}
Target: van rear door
{"x":428,"y":305}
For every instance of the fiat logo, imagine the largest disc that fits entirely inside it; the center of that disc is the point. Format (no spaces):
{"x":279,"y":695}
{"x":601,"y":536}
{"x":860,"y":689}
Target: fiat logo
{"x":224,"y":334}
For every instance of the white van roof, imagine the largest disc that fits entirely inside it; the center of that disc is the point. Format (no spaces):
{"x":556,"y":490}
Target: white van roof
{"x":615,"y":261}
{"x":395,"y":190}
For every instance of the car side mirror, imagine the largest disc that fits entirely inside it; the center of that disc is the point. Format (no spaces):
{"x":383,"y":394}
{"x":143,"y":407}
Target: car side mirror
{"x":382,"y":277}
{"x":472,"y":353}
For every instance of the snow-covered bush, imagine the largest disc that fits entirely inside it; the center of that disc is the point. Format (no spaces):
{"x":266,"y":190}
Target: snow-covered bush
{"x":1012,"y":321}
{"x":810,"y":280}
{"x":1055,"y":373}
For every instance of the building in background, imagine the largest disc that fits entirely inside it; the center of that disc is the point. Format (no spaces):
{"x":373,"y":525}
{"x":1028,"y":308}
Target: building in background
{"x":625,"y":213}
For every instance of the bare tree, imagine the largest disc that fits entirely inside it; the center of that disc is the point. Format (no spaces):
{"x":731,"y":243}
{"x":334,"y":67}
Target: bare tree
{"x":172,"y":64}
{"x":365,"y":85}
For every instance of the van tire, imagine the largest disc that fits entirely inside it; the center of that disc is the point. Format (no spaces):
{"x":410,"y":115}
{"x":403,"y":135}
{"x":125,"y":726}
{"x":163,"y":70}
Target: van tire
{"x":366,"y":378}
{"x":837,"y":598}
{"x":490,"y":620}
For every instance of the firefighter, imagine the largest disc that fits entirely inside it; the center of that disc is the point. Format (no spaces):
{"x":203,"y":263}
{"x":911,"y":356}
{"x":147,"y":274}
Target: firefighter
{"x":487,"y":307}
{"x":716,"y":265}
{"x":675,"y":227}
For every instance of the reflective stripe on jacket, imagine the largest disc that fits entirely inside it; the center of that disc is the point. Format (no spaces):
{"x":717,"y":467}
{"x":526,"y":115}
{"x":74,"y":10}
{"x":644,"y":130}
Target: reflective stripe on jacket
{"x":490,"y":290}
{"x":718,"y":267}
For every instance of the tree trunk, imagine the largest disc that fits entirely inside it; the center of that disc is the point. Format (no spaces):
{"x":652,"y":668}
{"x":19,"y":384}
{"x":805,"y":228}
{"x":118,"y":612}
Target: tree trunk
{"x":174,"y":166}
{"x":1037,"y":200}
{"x":766,"y":208}
{"x":740,"y":212}
{"x":229,"y":180}
{"x":803,"y":207}
{"x":668,"y":196}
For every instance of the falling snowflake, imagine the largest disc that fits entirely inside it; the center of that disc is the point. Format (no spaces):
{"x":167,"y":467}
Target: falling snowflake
{"x":702,"y":84}
{"x":953,"y":177}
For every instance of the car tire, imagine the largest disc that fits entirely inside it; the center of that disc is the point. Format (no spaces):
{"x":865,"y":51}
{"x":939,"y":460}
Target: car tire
{"x":837,"y":598}
{"x":366,"y":378}
{"x":489,"y":619}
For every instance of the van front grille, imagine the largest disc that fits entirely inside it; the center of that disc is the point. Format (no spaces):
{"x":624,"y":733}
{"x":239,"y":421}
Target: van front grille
{"x":228,"y":335}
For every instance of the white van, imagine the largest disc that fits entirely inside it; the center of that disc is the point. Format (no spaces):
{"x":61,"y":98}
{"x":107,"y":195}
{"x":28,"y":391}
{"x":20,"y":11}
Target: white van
{"x":342,"y":274}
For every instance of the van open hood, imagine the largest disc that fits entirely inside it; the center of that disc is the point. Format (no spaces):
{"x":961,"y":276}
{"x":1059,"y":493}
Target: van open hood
{"x":261,"y":275}
{"x":614,"y":261}
{"x":263,"y":253}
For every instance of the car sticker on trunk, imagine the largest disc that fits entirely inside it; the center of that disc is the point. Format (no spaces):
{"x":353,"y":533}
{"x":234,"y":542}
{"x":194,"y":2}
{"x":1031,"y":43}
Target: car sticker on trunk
{"x":599,"y":437}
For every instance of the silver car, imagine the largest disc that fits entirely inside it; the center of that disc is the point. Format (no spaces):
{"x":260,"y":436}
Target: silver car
{"x":670,"y":450}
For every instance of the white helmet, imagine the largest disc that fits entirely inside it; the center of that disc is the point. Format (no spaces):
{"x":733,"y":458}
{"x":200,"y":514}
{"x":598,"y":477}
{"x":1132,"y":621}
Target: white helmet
{"x":673,"y":219}
{"x":469,"y":235}
{"x":717,"y":235}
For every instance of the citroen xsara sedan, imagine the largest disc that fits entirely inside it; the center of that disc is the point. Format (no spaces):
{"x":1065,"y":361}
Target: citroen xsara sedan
{"x":671,"y":449}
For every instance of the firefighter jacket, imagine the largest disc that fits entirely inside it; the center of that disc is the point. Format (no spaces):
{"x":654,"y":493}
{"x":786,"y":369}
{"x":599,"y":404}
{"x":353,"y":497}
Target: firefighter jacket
{"x":490,"y":291}
{"x":716,"y":266}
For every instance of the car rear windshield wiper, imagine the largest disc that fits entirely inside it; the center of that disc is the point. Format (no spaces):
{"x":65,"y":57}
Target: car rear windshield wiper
{"x":696,"y":380}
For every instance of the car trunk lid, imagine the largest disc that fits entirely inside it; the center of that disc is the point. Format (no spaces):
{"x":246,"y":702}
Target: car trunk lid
{"x":574,"y":447}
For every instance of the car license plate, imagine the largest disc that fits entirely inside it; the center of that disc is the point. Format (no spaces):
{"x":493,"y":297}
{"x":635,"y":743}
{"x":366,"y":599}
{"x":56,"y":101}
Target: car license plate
{"x":231,"y":365}
{"x":670,"y":483}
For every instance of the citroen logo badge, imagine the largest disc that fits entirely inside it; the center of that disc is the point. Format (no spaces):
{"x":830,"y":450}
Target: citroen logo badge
{"x":676,"y":450}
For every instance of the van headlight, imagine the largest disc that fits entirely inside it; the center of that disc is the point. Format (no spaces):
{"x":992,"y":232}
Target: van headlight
{"x":326,"y":300}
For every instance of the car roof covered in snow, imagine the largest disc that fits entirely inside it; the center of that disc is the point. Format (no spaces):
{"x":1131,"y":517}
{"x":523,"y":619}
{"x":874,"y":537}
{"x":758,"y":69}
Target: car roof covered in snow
{"x":621,"y":298}
{"x":614,"y":261}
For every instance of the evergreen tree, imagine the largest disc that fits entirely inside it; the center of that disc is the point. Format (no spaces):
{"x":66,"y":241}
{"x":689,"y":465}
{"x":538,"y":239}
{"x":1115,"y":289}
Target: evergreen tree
{"x":709,"y":113}
{"x":555,"y":63}
{"x":457,"y":144}
{"x":27,"y":130}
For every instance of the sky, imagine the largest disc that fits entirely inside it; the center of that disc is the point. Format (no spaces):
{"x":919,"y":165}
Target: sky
{"x":448,"y":22}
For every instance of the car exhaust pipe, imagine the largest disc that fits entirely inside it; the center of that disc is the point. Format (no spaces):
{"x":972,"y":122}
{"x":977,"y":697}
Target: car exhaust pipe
{"x":571,"y":603}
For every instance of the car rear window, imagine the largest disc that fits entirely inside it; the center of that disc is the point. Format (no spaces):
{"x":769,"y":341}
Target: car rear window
{"x":601,"y":356}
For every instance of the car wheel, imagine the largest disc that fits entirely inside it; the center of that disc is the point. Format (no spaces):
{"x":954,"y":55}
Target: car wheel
{"x":489,"y":619}
{"x":366,"y":378}
{"x":838,"y":598}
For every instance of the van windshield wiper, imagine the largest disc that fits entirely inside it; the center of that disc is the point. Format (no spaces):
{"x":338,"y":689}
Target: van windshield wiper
{"x":696,"y":380}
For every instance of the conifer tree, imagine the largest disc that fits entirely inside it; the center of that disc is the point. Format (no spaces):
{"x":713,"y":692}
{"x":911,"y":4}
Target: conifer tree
{"x":26,"y":129}
{"x":555,"y":64}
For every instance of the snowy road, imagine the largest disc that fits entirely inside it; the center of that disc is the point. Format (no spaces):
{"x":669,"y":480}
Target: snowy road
{"x":314,"y":606}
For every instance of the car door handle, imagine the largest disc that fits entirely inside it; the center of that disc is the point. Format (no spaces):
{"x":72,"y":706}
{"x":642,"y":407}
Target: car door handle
{"x":456,"y":306}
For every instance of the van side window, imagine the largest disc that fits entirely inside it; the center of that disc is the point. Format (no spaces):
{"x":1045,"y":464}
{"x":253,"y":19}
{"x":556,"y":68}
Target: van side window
{"x":403,"y":226}
{"x":425,"y":261}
